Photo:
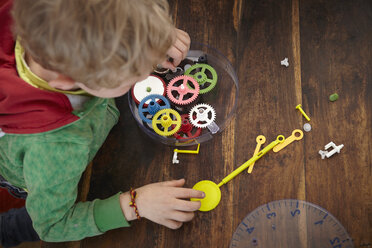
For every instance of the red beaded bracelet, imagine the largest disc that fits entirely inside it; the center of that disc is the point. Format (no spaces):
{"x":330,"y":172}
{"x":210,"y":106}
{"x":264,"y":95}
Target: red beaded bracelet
{"x":133,"y":204}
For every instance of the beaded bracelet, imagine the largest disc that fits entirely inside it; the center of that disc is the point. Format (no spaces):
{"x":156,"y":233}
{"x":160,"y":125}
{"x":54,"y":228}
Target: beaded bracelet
{"x":132,"y":203}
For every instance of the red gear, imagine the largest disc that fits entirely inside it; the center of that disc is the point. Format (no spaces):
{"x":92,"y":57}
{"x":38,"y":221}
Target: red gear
{"x":187,"y":129}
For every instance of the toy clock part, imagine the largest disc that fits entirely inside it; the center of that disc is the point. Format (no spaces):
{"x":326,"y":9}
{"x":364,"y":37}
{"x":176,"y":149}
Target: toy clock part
{"x":166,"y":122}
{"x":260,"y":141}
{"x":205,"y":75}
{"x":203,"y":116}
{"x":155,"y":103}
{"x":297,"y":134}
{"x":335,"y":149}
{"x":182,"y":90}
{"x":175,"y":151}
{"x":187,"y":131}
{"x":212,"y":190}
{"x":291,"y":223}
{"x":174,"y":73}
{"x":203,"y":59}
{"x":150,"y":86}
{"x":186,"y":64}
{"x":159,"y":69}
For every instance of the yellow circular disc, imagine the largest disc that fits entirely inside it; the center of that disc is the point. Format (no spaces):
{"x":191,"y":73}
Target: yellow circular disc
{"x":212,"y":195}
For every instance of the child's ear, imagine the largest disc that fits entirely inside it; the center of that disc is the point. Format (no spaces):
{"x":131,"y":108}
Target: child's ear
{"x":63,"y":82}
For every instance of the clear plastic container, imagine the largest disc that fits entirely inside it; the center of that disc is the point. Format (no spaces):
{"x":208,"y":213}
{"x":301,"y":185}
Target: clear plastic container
{"x":223,"y":98}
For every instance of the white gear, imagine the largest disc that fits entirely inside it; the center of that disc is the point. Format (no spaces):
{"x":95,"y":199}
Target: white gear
{"x":202,"y":115}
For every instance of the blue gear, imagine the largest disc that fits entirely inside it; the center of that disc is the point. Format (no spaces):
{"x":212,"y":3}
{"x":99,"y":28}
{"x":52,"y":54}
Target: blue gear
{"x":152,"y":107}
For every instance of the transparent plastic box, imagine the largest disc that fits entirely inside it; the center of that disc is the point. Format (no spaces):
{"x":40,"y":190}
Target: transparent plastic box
{"x":223,"y":98}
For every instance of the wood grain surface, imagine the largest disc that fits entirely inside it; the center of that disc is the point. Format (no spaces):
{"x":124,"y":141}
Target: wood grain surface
{"x":328,"y":44}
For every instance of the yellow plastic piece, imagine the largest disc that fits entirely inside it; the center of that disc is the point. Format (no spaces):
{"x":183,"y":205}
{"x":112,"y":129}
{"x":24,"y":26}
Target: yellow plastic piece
{"x":212,"y":190}
{"x":289,"y":140}
{"x":244,"y":166}
{"x":302,"y":112}
{"x":260,"y":141}
{"x":166,"y":121}
{"x":188,"y":151}
{"x":212,"y":195}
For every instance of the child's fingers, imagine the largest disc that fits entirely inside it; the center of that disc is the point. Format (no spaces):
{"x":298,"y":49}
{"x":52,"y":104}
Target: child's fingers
{"x":167,"y":64}
{"x":174,"y":183}
{"x":176,"y":53}
{"x":186,"y":193}
{"x":184,"y":37}
{"x":182,"y":47}
{"x":181,"y":216}
{"x":186,"y":206}
{"x":172,"y":224}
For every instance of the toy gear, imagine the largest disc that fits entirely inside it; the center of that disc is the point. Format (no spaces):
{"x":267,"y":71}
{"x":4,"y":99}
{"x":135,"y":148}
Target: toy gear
{"x":151,"y":85}
{"x":153,"y":106}
{"x":205,"y":75}
{"x":163,"y":123}
{"x":202,"y":115}
{"x":187,"y":131}
{"x":182,"y":90}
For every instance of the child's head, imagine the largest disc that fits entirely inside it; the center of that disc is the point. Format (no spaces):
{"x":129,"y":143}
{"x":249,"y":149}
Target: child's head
{"x":99,"y":43}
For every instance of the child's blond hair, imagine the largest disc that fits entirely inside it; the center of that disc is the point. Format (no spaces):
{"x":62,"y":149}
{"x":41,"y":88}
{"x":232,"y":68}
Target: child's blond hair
{"x":99,"y":43}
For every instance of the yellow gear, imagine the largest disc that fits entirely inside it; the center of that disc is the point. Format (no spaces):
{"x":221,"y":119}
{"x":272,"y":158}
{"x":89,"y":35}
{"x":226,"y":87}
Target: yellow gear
{"x":166,"y":121}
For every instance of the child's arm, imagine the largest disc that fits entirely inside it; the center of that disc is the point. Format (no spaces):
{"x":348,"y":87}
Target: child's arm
{"x":178,"y":50}
{"x":52,"y":172}
{"x":165,"y":203}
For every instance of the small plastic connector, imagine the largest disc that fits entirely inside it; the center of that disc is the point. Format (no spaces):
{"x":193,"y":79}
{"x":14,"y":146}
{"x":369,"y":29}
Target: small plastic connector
{"x":335,"y":149}
{"x":307,"y":127}
{"x":285,"y":62}
{"x":203,"y":59}
{"x":174,"y":159}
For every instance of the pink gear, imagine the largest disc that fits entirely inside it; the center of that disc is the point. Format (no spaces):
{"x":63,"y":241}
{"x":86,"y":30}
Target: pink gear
{"x":188,"y":130}
{"x":182,"y":90}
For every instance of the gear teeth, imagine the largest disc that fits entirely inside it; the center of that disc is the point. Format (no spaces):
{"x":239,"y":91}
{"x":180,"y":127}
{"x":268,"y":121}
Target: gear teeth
{"x":187,"y":130}
{"x":186,"y":126}
{"x":166,"y":123}
{"x":155,"y":108}
{"x":187,"y":101}
{"x":176,"y":78}
{"x":212,"y":81}
{"x":204,"y":117}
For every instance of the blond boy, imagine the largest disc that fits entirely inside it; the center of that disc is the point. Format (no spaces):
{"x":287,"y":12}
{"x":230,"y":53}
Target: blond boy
{"x":62,"y":63}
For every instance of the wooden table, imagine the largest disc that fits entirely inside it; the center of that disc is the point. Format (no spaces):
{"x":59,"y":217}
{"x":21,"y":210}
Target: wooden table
{"x":328,"y":44}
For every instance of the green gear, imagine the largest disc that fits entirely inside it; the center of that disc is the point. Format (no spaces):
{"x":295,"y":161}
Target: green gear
{"x":206,"y":84}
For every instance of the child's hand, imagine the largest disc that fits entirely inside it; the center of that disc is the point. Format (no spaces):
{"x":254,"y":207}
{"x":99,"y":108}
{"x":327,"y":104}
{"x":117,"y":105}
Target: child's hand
{"x":178,"y":50}
{"x":165,"y":203}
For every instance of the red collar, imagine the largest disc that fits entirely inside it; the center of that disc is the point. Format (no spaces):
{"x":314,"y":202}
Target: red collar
{"x":24,"y":108}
